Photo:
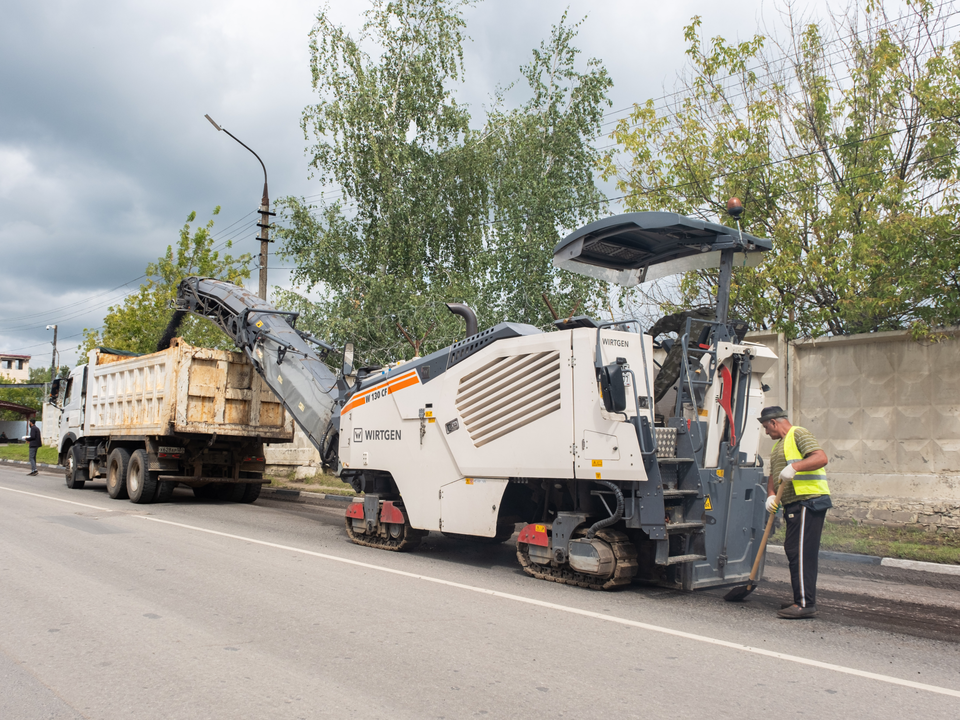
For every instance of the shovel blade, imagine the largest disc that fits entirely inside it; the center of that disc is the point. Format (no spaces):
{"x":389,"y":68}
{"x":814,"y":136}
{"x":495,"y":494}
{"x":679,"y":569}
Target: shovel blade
{"x":739,"y":593}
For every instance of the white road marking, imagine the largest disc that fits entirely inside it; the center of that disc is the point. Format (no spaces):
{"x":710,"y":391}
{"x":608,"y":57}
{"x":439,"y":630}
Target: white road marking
{"x":540,"y":603}
{"x":50,"y":497}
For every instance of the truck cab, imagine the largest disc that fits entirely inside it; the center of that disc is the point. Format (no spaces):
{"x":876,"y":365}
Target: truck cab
{"x":68,"y":394}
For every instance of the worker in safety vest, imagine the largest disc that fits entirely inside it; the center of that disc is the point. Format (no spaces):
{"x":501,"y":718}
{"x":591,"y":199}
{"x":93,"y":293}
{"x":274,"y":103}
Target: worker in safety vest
{"x":796,"y":458}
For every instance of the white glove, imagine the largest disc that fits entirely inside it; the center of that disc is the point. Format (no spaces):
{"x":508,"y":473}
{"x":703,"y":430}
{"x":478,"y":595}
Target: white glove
{"x":772,"y":505}
{"x":788,"y":472}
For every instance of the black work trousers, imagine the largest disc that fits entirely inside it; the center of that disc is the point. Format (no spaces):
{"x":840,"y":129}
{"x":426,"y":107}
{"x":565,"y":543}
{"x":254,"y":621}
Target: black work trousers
{"x":802,"y":548}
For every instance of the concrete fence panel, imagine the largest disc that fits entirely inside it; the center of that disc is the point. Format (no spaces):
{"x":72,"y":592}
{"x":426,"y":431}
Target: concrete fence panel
{"x":886,"y":410}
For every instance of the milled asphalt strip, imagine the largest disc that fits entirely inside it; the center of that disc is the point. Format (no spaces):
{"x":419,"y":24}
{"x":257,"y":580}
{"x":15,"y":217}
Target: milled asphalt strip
{"x":539,"y":603}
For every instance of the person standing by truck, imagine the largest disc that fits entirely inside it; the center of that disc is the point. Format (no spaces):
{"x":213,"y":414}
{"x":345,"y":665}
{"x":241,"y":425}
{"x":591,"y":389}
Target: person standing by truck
{"x":796,"y":458}
{"x":33,"y":437}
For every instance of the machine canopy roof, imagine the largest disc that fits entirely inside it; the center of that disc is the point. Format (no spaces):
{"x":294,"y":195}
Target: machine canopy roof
{"x":633,"y":248}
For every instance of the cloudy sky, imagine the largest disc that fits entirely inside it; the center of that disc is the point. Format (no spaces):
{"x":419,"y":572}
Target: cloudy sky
{"x":104,"y":149}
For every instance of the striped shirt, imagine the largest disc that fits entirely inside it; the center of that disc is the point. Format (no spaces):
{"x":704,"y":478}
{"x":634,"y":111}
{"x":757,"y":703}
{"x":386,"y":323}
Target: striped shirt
{"x":806,"y":444}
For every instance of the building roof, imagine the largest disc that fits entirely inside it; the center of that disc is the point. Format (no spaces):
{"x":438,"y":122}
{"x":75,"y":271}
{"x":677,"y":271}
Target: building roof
{"x":27,"y":412}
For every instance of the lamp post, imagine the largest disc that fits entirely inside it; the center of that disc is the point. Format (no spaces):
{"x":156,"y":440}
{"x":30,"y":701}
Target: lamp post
{"x":53,"y":358}
{"x":265,"y":214}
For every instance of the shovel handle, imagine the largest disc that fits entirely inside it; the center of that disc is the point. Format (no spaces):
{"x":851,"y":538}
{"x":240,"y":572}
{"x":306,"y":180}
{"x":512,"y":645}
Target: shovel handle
{"x":766,"y":535}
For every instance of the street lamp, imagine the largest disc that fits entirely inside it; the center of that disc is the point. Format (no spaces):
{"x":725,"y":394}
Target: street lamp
{"x":265,"y":214}
{"x":53,"y":358}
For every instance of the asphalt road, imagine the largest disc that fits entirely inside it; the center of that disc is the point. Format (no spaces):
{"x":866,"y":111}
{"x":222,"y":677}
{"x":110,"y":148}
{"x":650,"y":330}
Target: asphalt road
{"x":202,"y":609}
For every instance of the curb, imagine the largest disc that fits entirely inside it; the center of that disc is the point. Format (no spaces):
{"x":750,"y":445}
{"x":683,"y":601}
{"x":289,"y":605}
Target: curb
{"x":305,"y":498}
{"x":26,"y":463}
{"x":918,"y":565}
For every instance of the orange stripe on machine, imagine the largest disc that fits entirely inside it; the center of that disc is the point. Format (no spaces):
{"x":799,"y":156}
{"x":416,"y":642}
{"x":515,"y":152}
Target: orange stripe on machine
{"x":375,"y":393}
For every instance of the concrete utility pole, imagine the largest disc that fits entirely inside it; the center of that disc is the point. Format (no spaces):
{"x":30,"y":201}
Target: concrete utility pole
{"x":265,"y":215}
{"x":53,"y":358}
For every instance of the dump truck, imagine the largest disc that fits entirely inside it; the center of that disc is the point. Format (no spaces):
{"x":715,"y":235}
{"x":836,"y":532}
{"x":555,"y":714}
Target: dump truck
{"x":621,"y":453}
{"x":185,"y":415}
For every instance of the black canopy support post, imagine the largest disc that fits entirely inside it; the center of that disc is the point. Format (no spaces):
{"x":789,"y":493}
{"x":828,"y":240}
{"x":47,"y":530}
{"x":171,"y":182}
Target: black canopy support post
{"x":723,"y":287}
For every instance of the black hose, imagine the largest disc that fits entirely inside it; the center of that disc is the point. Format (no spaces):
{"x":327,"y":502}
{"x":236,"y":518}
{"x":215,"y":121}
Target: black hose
{"x":618,"y":513}
{"x":330,"y":447}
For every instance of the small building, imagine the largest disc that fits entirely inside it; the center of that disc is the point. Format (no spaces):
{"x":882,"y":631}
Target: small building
{"x":15,"y":368}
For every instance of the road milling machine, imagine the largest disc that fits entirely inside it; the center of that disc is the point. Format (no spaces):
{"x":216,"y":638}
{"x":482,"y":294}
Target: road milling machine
{"x":620,"y":456}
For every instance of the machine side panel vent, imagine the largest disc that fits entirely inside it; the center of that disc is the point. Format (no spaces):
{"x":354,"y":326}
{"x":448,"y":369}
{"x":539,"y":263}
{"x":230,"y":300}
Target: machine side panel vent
{"x":509,"y":393}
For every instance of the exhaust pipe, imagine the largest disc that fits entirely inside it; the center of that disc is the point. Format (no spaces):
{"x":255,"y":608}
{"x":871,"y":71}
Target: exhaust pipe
{"x":467,"y":314}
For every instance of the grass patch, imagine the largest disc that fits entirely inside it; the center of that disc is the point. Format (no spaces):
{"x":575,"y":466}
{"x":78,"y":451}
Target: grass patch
{"x":907,"y":543}
{"x":22,"y":452}
{"x":321,"y":483}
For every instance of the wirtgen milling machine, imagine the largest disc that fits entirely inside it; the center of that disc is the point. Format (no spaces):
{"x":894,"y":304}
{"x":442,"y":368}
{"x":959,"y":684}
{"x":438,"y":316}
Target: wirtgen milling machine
{"x":621,"y":456}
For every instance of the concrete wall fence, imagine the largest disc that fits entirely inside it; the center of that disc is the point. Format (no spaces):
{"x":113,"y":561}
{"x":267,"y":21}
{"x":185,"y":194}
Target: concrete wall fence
{"x":886,"y":410}
{"x":299,"y":459}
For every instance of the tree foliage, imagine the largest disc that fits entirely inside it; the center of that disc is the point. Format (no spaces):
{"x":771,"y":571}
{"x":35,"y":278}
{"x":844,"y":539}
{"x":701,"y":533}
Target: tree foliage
{"x":541,"y":177}
{"x":28,"y":397}
{"x":842,"y":146}
{"x":432,"y":210}
{"x":389,"y":134}
{"x":138,"y":324}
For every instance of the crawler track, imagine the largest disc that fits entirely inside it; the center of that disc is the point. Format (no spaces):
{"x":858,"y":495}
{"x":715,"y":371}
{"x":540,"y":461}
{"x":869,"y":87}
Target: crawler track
{"x":624,"y":551}
{"x":407,"y":539}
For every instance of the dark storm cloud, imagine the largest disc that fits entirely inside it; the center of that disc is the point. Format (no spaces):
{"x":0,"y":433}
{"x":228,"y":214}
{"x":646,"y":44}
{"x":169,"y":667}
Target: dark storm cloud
{"x":104,"y":149}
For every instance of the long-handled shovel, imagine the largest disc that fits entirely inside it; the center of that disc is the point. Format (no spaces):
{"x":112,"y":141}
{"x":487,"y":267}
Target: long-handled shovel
{"x":741,"y":592}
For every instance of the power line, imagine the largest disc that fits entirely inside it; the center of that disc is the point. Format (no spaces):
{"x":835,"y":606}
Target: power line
{"x":30,"y":347}
{"x":71,"y":305}
{"x":76,"y":308}
{"x":837,"y":39}
{"x":78,"y":313}
{"x":727,"y":100}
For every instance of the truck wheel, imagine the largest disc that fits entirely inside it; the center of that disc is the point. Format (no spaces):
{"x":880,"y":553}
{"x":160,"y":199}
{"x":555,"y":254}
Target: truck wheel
{"x":141,"y":483}
{"x":117,"y":473}
{"x":76,"y":472}
{"x":164,"y":490}
{"x":251,"y":491}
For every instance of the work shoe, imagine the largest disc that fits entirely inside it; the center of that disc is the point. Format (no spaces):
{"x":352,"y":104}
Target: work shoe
{"x":33,"y":472}
{"x":795,"y":612}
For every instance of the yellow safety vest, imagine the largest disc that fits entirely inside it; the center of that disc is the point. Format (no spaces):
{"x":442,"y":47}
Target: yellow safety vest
{"x":806,"y":482}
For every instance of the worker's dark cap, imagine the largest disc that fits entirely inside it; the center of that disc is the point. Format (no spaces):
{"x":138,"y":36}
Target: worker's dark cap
{"x":772,"y":413}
